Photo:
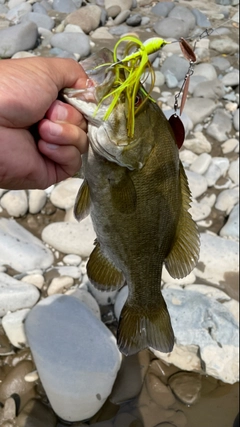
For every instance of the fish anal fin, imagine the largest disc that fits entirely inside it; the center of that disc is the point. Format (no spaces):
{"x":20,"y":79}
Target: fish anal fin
{"x":82,"y":203}
{"x":144,"y":327}
{"x":184,"y":253}
{"x":123,"y":194}
{"x":102,"y":273}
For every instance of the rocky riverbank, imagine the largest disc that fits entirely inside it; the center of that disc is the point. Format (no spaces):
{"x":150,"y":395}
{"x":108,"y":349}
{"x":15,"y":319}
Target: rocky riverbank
{"x":50,"y":315}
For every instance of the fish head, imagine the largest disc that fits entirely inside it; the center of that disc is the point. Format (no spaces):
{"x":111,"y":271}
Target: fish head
{"x":109,"y":137}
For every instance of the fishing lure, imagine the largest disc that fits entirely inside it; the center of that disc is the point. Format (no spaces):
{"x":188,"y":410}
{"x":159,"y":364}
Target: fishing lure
{"x":129,"y":72}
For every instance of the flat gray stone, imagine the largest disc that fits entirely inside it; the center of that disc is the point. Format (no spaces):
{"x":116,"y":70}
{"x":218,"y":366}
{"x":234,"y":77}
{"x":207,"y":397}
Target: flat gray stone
{"x":183,"y":14}
{"x":224,"y":45}
{"x":18,"y":37}
{"x":176,"y":66}
{"x":162,"y":8}
{"x":76,"y":356}
{"x":220,"y":127}
{"x":213,"y":89}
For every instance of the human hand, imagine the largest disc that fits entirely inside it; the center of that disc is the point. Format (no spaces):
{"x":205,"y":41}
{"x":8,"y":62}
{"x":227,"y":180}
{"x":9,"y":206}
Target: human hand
{"x":41,"y":138}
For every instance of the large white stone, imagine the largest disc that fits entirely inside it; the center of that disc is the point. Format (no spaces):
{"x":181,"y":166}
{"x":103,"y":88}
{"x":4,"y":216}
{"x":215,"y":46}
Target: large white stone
{"x":64,"y":194}
{"x":218,"y":258}
{"x":70,"y":237}
{"x":227,"y":199}
{"x":75,"y":354}
{"x":15,"y":295}
{"x":20,"y":249}
{"x":206,"y":332}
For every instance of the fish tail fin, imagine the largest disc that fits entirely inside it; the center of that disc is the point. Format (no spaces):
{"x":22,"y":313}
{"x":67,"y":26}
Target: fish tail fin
{"x":143,"y":327}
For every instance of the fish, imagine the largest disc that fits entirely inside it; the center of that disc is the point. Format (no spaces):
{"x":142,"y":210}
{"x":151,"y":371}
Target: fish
{"x":137,"y":193}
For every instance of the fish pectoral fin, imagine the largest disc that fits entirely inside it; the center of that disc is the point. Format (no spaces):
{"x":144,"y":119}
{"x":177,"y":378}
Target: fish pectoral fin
{"x":143,"y":327}
{"x":124,"y":196}
{"x":82,"y":204}
{"x":102,"y":273}
{"x":185,"y":250}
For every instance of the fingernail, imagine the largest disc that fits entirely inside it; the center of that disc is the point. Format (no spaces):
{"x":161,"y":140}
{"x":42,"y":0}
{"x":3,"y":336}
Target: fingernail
{"x":61,"y":112}
{"x":55,"y":129}
{"x":52,"y":146}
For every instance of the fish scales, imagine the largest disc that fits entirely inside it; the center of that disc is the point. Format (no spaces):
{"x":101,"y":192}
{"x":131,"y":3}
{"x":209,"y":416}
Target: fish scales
{"x":137,"y":194}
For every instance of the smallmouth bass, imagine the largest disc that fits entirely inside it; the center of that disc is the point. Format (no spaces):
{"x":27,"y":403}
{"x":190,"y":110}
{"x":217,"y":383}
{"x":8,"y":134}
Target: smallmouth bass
{"x":137,"y":194}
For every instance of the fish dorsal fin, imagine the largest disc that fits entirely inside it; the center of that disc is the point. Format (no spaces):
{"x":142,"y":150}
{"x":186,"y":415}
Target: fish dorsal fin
{"x":185,"y":250}
{"x":82,"y":204}
{"x":102,"y":273}
{"x":124,"y":196}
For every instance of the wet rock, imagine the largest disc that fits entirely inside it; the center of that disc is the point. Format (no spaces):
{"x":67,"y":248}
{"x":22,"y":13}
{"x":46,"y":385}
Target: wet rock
{"x":213,"y":264}
{"x":224,"y":45}
{"x":71,"y":238}
{"x":213,"y":89}
{"x":13,"y":324}
{"x":88,"y":18}
{"x":130,"y":377}
{"x":72,"y":42}
{"x":231,"y":228}
{"x":78,"y":382}
{"x":15,"y":202}
{"x":159,"y":392}
{"x":220,"y":126}
{"x":20,"y":249}
{"x":186,"y":387}
{"x":171,"y":27}
{"x":36,"y":414}
{"x":15,"y":384}
{"x":15,"y":295}
{"x":124,"y":419}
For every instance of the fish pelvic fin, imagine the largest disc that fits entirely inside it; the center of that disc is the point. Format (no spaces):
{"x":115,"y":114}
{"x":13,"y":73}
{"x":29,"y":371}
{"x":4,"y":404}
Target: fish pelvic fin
{"x":102,"y":273}
{"x":143,"y":327}
{"x":83,"y":202}
{"x":184,"y":253}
